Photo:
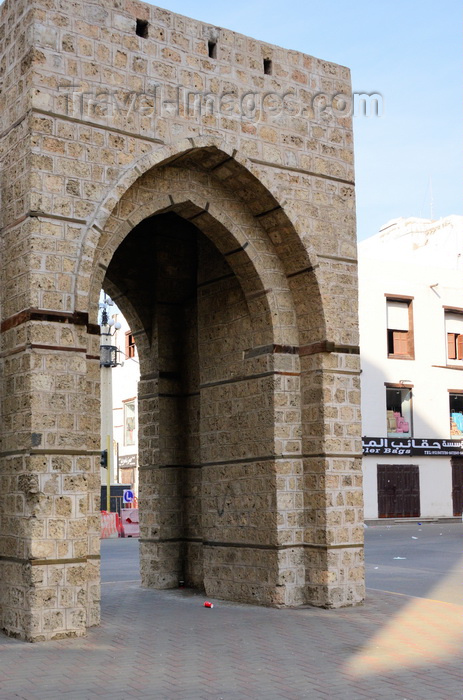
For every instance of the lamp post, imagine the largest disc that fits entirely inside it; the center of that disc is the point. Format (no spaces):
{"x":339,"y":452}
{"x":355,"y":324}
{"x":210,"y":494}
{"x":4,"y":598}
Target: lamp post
{"x":108,"y":360}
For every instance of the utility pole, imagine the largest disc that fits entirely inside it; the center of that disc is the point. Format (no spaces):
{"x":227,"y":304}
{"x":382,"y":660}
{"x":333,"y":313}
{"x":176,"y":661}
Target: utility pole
{"x":108,"y":360}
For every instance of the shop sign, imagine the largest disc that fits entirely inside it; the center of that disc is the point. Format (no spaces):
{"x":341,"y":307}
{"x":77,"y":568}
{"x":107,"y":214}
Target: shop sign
{"x":127,"y":461}
{"x":425,"y":447}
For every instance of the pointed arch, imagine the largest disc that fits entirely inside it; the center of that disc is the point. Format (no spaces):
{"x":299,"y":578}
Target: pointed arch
{"x":210,"y":158}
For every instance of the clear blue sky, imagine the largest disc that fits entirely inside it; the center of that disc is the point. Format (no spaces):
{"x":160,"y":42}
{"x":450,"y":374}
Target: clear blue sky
{"x":410,"y":52}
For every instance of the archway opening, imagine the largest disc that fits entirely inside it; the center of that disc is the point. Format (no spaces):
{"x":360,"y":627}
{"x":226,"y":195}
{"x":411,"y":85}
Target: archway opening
{"x":206,"y":418}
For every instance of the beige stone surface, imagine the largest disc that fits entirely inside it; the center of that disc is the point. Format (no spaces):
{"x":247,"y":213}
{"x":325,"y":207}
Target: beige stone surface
{"x":215,"y":202}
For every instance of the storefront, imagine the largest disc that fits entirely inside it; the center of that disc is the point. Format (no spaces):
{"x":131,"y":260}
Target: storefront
{"x":412,"y":477}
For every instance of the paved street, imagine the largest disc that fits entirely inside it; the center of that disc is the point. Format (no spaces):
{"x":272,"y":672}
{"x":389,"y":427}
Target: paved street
{"x":164,"y":645}
{"x":120,"y":560}
{"x":430,"y":563}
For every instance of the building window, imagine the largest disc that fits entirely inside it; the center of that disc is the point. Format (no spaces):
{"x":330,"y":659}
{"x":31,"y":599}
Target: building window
{"x":399,"y":412}
{"x":456,"y":414}
{"x":129,"y":423}
{"x":454,"y":332}
{"x":455,"y":346}
{"x":400,"y":342}
{"x":129,"y":345}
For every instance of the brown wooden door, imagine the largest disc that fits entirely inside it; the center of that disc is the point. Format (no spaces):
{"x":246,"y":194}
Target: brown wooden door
{"x":457,"y":485}
{"x":398,"y":491}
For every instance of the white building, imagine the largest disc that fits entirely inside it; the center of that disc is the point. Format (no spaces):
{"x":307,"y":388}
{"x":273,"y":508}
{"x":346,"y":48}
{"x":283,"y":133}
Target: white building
{"x":125,"y":379}
{"x":411,"y":339}
{"x":119,"y":412}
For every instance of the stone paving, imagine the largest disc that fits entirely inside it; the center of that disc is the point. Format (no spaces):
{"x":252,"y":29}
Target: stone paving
{"x":165,"y":645}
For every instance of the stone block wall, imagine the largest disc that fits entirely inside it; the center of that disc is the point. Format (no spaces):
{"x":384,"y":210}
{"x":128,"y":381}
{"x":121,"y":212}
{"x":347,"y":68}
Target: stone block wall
{"x":205,"y":179}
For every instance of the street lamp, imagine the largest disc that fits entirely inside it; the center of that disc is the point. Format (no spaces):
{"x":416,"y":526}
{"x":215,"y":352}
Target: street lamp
{"x":108,"y":352}
{"x":108,"y":356}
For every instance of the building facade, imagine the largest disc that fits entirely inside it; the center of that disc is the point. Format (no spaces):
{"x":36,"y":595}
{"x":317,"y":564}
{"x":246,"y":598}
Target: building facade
{"x":411,"y":325}
{"x":124,"y":407}
{"x":197,"y":177}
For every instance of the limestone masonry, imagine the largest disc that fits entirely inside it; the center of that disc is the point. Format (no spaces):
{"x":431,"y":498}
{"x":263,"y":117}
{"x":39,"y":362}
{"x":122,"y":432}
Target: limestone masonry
{"x":205,"y":181}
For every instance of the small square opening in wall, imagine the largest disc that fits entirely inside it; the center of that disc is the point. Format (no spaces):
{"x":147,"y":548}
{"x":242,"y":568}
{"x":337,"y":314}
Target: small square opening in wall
{"x":268,"y":66}
{"x":212,"y":49}
{"x":142,"y":28}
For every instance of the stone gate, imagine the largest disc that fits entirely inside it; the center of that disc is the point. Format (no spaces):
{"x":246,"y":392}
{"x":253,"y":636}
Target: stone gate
{"x":205,"y":180}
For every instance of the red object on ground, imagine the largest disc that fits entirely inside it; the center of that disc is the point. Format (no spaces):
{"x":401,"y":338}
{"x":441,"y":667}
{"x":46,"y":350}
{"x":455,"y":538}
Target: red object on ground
{"x":208,"y":605}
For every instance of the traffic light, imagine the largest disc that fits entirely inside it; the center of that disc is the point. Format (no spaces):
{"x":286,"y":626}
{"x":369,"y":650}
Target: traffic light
{"x":104,"y":459}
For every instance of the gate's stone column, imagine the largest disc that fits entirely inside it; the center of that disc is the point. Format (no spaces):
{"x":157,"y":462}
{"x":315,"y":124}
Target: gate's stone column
{"x":161,"y":459}
{"x":333,"y":478}
{"x":49,"y":548}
